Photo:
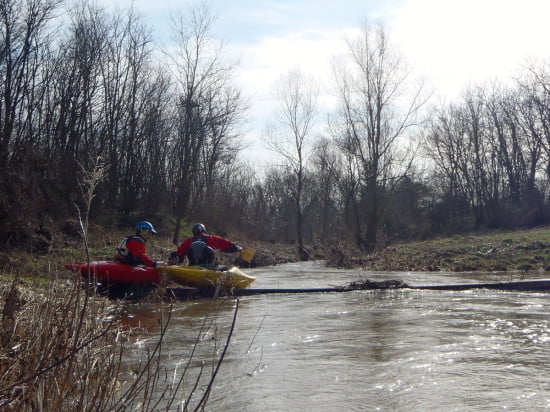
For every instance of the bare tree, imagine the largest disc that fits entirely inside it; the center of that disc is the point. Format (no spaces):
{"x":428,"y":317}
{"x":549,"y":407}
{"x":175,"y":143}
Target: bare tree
{"x":487,"y":153}
{"x":206,"y":108}
{"x":535,"y":87}
{"x":444,"y":146}
{"x":327,"y":173}
{"x":73,"y":94}
{"x":22,"y":27}
{"x":103,"y":93}
{"x":290,"y":136}
{"x":516,"y":142}
{"x":378,"y":104}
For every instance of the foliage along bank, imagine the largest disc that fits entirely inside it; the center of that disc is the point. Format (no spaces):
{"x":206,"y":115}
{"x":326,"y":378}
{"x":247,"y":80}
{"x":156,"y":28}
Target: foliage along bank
{"x":94,"y":122}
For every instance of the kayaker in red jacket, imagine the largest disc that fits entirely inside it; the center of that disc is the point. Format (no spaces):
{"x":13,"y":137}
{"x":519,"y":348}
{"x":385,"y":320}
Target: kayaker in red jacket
{"x":133,"y":249}
{"x":199,"y":249}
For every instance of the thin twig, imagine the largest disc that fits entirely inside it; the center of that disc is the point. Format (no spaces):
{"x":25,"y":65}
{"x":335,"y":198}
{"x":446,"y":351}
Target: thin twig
{"x":188,"y":364}
{"x":209,"y":387}
{"x":257,"y":330}
{"x":132,"y":389}
{"x":259,"y":362}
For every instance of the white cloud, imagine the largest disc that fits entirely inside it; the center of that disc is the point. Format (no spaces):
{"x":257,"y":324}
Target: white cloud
{"x":310,"y":51}
{"x":263,"y":63}
{"x":456,"y":43}
{"x":453,"y":43}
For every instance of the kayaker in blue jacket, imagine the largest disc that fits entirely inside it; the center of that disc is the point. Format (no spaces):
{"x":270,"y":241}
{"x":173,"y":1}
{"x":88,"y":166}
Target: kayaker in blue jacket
{"x":132,"y":250}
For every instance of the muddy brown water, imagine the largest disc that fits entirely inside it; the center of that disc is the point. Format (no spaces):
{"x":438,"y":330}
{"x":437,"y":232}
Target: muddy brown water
{"x":381,"y":350}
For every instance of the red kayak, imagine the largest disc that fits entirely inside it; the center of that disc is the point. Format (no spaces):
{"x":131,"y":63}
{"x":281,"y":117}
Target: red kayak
{"x":116,"y":272}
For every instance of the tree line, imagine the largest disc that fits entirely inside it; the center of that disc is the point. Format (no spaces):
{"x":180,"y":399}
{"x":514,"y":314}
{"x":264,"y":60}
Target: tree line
{"x":88,"y":95}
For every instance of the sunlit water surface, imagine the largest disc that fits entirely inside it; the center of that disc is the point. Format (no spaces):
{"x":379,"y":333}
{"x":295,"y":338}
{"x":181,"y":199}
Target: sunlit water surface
{"x":387,"y":350}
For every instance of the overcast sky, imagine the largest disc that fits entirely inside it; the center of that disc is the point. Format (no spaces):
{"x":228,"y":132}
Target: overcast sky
{"x":453,"y":43}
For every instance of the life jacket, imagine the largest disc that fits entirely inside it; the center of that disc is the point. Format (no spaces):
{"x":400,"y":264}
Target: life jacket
{"x":200,"y":253}
{"x":122,"y":251}
{"x":124,"y":255}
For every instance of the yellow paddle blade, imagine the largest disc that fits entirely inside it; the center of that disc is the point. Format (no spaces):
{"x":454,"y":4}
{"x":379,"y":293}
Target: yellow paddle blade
{"x":248,"y":254}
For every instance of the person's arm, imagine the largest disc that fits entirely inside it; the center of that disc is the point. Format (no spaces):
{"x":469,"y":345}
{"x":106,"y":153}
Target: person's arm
{"x":183,"y":249}
{"x":220,"y":243}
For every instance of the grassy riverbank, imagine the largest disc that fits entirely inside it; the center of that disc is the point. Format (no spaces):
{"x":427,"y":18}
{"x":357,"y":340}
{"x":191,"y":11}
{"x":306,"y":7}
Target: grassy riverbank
{"x":525,"y":250}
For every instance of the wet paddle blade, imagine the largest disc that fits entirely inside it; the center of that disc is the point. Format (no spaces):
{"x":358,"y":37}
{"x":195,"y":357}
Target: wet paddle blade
{"x":248,"y":254}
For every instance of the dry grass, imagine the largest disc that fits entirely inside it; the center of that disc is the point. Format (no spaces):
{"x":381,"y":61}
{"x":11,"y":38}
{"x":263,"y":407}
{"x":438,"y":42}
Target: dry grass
{"x":63,"y":348}
{"x":58,"y":352}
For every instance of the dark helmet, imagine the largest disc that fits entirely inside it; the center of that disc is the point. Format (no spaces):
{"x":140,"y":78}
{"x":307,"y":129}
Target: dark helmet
{"x":146,"y":226}
{"x":198,"y":229}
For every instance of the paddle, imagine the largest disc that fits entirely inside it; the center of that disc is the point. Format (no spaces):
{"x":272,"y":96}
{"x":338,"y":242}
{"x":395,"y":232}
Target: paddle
{"x":247,"y":255}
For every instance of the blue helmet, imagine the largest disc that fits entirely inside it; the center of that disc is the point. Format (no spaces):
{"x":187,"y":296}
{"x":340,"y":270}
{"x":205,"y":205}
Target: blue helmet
{"x":198,"y":229}
{"x":147,"y":226}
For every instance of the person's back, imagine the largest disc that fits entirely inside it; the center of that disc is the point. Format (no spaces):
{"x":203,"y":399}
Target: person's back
{"x":199,"y":249}
{"x":200,"y":254}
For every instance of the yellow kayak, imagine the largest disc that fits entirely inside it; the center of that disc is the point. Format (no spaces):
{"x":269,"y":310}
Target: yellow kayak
{"x":199,"y":277}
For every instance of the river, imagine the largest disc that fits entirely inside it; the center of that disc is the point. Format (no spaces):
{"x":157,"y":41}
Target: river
{"x":380,"y":350}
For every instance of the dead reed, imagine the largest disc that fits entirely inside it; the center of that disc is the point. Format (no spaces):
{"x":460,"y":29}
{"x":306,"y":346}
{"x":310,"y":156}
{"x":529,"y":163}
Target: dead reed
{"x":63,"y":347}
